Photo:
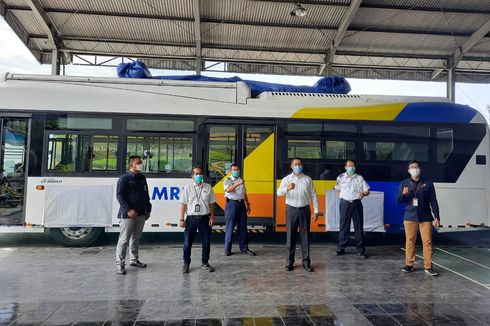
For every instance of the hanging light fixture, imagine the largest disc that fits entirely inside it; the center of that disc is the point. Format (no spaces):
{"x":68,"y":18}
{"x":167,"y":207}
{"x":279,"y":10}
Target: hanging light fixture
{"x":299,"y":11}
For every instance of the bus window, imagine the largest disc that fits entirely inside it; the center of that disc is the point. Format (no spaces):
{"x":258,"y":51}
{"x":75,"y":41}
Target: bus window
{"x":222,"y":150}
{"x":146,"y":125}
{"x":304,"y":148}
{"x":340,"y":150}
{"x":391,"y":151}
{"x":444,"y":144}
{"x":396,"y":131}
{"x":162,"y":154}
{"x":104,"y":156}
{"x":74,"y":122}
{"x":254,"y":136}
{"x":81,"y":153}
{"x":302,"y":127}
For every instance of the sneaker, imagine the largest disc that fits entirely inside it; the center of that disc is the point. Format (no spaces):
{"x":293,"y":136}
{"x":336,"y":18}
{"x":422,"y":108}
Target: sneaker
{"x":121,"y":270}
{"x":249,"y":252}
{"x":207,"y":267}
{"x":408,"y":269}
{"x":431,"y":272}
{"x":137,"y":263}
{"x":308,"y":268}
{"x":185,"y":269}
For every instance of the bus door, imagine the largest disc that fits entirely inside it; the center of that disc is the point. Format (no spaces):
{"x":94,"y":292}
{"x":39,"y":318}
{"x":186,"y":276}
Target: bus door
{"x":13,"y":168}
{"x":252,"y":147}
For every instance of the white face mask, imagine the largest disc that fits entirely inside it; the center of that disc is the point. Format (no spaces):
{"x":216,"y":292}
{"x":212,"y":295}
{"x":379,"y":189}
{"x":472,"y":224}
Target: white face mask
{"x":139,"y":167}
{"x":414,"y":172}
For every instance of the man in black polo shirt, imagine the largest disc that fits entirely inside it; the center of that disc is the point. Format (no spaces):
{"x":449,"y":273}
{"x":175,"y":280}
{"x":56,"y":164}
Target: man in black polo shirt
{"x":419,"y":196}
{"x":132,"y":195}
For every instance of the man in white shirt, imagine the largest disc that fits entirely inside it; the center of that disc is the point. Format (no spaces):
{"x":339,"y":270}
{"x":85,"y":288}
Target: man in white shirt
{"x":197,"y":201}
{"x":351,"y":188}
{"x":236,"y":210}
{"x":299,"y":191}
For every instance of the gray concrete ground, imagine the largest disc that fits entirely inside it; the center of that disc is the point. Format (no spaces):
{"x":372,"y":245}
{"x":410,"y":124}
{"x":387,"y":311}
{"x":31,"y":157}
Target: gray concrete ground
{"x":42,"y":283}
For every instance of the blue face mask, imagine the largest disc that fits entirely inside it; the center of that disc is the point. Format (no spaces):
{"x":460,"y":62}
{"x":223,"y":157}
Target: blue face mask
{"x":198,"y":178}
{"x":351,"y":170}
{"x":297,"y":169}
{"x":235,"y":174}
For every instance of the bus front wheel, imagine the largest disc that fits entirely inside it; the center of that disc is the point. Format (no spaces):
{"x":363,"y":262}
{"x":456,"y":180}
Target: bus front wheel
{"x":76,"y":236}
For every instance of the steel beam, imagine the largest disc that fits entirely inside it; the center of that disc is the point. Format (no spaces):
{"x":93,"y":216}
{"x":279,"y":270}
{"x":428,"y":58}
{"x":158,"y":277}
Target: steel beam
{"x":197,"y":33}
{"x":476,"y":37}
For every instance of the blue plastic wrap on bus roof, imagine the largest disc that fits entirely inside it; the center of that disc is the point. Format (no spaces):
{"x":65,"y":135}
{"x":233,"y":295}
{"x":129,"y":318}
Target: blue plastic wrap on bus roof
{"x":325,"y":85}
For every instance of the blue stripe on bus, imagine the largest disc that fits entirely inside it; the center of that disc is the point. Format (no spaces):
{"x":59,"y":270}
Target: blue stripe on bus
{"x":436,"y":112}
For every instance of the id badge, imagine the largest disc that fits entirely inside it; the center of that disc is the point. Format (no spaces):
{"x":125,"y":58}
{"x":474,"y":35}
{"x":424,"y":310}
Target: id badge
{"x":197,"y":208}
{"x":415,"y":202}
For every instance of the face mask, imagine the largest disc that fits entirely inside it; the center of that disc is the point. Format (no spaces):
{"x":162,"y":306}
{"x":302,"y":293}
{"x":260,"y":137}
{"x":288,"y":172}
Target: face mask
{"x":297,"y":169}
{"x":235,"y":174}
{"x":351,"y":170}
{"x":139,"y":167}
{"x":414,"y":172}
{"x":198,"y":178}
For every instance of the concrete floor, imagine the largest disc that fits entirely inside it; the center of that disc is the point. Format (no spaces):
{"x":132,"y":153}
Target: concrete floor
{"x":42,"y":283}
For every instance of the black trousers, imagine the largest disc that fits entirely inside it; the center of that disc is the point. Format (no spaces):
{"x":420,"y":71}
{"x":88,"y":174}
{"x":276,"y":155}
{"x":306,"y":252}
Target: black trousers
{"x":192,"y":224}
{"x":351,"y":211}
{"x":298,"y":218}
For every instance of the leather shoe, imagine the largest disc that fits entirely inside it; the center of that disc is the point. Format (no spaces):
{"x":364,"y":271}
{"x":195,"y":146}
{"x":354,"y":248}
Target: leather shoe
{"x":340,"y":252}
{"x":228,"y":253}
{"x":308,"y":268}
{"x":185,"y":269}
{"x":137,"y":263}
{"x":363,"y":255}
{"x":249,"y":252}
{"x":289,"y":267}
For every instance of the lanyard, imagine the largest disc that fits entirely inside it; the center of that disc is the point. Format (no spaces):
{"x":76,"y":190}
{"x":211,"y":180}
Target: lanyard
{"x":200,"y":192}
{"x":417,"y":188}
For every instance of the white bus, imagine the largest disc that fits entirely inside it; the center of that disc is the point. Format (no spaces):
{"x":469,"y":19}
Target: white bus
{"x":65,"y":141}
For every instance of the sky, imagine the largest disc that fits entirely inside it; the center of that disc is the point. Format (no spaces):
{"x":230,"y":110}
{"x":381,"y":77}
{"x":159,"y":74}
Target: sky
{"x":16,"y":58}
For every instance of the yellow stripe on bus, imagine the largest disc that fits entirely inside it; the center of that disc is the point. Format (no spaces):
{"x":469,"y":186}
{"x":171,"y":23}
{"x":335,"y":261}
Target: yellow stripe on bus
{"x":380,"y":112}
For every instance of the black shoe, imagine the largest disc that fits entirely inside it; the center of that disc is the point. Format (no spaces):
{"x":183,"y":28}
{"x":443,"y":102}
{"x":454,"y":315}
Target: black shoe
{"x":308,"y":268}
{"x":228,"y":253}
{"x":289,"y":267}
{"x":340,"y":252}
{"x":431,"y":272}
{"x":363,"y":255}
{"x":137,"y":263}
{"x":185,"y":269}
{"x":249,"y":252}
{"x":408,"y":269}
{"x":207,"y":267}
{"x":121,"y":270}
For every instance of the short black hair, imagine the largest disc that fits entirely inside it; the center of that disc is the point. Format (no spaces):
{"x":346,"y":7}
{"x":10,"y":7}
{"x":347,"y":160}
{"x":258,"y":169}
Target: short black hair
{"x":133,"y":158}
{"x":414,"y":162}
{"x":235,"y":165}
{"x":349,"y":160}
{"x":196,"y":167}
{"x":297,"y":158}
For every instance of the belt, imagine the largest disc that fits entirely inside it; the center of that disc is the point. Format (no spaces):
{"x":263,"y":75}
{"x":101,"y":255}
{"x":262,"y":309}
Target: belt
{"x":350,"y":201}
{"x":307,"y":206}
{"x":238,"y":200}
{"x":198,"y":217}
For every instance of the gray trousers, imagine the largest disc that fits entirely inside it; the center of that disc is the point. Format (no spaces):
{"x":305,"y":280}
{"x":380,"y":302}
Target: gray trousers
{"x":298,"y":218}
{"x":130,"y":234}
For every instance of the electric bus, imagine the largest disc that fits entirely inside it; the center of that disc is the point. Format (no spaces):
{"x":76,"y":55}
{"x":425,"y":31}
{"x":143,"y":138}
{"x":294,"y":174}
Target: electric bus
{"x":66,"y":140}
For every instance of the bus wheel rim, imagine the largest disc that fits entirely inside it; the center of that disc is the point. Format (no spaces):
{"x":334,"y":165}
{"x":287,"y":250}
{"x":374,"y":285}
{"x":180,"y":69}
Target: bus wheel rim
{"x":76,"y":233}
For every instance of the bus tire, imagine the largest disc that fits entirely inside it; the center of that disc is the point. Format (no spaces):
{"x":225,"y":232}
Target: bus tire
{"x":76,"y":236}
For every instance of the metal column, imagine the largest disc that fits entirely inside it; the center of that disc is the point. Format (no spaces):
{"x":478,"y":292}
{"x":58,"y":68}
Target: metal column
{"x":55,"y":62}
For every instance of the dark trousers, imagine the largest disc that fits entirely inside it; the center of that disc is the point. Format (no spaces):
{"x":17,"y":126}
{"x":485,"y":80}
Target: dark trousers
{"x":236,"y":215}
{"x":192,"y":224}
{"x":351,"y":211}
{"x":298,"y":218}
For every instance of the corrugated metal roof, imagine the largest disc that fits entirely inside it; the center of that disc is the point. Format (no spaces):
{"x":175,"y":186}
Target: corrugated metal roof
{"x":403,"y":35}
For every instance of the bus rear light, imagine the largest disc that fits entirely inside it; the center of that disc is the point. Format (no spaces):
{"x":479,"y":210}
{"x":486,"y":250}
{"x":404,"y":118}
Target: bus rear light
{"x":39,"y":187}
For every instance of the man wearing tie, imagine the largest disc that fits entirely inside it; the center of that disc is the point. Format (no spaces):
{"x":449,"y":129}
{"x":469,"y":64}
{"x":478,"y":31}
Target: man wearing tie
{"x":299,"y":190}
